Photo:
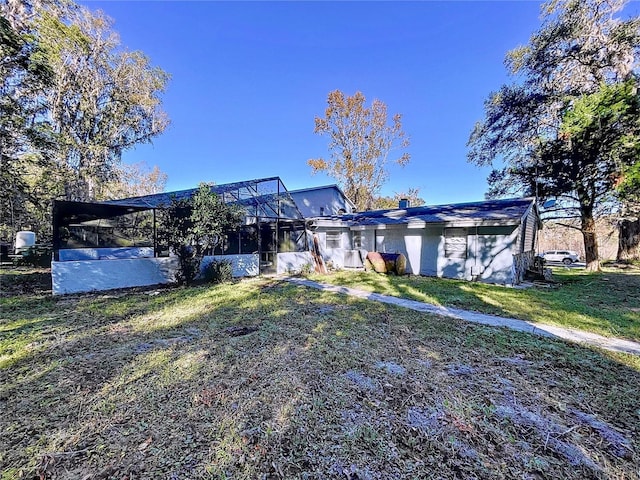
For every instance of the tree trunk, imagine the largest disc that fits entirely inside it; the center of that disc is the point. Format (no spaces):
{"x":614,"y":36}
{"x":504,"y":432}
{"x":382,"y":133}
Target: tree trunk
{"x":590,"y":242}
{"x":628,"y":240}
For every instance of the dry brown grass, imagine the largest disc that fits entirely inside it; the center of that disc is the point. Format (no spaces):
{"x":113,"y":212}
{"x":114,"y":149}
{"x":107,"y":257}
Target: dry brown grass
{"x":263,"y":379}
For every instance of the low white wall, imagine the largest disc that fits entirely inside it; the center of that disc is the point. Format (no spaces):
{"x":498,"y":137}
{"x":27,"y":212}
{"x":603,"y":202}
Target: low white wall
{"x":77,"y":276}
{"x":97,"y":275}
{"x":245,"y":265}
{"x":71,"y":254}
{"x":293,"y":262}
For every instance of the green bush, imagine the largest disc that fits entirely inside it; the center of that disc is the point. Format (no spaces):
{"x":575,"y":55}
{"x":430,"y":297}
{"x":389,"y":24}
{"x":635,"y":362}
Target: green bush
{"x":36,"y":256}
{"x":218,"y":271}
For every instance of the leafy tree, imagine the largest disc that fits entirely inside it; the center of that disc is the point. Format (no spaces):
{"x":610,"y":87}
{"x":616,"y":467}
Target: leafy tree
{"x":25,"y":136}
{"x":629,"y":224}
{"x":413,"y":195}
{"x":361,"y":140}
{"x":133,"y":181}
{"x":104,"y":101}
{"x":566,"y":129}
{"x":71,"y":101}
{"x":195,"y":226}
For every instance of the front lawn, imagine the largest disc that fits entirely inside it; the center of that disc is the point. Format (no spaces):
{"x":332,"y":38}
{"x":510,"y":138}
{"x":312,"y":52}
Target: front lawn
{"x":265,"y":379}
{"x":607,"y":303}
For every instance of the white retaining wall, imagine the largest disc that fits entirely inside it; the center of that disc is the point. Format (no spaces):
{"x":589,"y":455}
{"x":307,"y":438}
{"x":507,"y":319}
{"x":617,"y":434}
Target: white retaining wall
{"x":245,"y":265}
{"x":293,"y":262}
{"x":97,"y":275}
{"x":107,"y":274}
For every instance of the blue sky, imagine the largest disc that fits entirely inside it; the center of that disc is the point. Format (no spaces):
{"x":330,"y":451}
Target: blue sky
{"x":249,"y":78}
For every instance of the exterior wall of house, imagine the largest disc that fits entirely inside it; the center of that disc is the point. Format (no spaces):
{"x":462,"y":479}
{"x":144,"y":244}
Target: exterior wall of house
{"x":487,"y":255}
{"x":403,"y":240}
{"x":320,"y":202}
{"x":529,"y":231}
{"x":495,"y":256}
{"x":333,"y":254}
{"x":242,"y":265}
{"x":293,"y":262}
{"x":96,"y":275}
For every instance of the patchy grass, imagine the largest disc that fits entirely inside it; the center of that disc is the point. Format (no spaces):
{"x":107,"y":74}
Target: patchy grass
{"x":264,"y":379}
{"x":24,"y":280}
{"x":607,"y":303}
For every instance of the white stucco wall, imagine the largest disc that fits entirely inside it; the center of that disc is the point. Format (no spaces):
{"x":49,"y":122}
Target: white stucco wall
{"x":107,"y":274}
{"x":97,"y":275}
{"x":66,"y":255}
{"x":293,"y":262}
{"x":333,"y":255}
{"x":406,"y":241}
{"x":489,"y":257}
{"x":320,"y":202}
{"x":496,"y":256}
{"x":245,"y":265}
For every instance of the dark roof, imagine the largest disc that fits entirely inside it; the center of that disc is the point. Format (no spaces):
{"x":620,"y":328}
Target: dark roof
{"x":505,"y":211}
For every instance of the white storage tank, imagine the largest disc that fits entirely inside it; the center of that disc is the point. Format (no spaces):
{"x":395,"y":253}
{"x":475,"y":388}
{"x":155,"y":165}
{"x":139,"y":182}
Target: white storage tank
{"x":24,"y":240}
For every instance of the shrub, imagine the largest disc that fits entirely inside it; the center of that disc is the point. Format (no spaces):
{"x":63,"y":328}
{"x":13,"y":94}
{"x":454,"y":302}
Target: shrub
{"x":36,"y":256}
{"x":218,"y":271}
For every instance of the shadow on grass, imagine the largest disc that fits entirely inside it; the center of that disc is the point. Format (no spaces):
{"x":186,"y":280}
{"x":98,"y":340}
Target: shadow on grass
{"x":160,"y":386}
{"x":601,"y":303}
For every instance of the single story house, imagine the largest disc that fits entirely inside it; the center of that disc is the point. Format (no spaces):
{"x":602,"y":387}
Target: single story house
{"x":120,"y":243}
{"x":492,"y":241}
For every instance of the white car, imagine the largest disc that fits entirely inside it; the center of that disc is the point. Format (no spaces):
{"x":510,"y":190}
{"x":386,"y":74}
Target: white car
{"x":565,"y":256}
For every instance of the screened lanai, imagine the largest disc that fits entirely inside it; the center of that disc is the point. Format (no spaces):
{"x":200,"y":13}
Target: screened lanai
{"x":132,"y":227}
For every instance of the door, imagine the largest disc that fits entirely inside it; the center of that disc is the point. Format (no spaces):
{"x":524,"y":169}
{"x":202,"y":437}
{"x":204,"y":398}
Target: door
{"x":268,"y":251}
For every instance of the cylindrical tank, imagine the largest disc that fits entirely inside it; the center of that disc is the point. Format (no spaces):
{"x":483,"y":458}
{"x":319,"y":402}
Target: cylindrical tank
{"x":24,"y":240}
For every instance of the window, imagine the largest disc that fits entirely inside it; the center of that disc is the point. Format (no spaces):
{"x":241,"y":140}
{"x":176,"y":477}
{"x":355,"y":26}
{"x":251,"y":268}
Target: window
{"x":455,"y":243}
{"x":357,"y":240}
{"x":334,"y":240}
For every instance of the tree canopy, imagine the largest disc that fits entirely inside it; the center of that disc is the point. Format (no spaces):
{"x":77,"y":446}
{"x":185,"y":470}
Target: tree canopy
{"x":72,"y":100}
{"x":412,"y":195}
{"x":361,"y":142}
{"x":195,"y":226}
{"x":567,"y":128}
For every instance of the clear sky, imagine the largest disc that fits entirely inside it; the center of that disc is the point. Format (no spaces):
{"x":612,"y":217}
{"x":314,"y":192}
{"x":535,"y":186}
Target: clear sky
{"x":249,"y":78}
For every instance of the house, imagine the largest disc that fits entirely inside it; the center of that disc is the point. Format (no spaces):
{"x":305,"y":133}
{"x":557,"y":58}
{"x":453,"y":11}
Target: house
{"x":322,"y":201}
{"x":492,"y":241}
{"x":120,"y":243}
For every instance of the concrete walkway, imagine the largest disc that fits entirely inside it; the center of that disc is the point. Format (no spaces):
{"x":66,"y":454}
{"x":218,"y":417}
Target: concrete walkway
{"x":577,"y":336}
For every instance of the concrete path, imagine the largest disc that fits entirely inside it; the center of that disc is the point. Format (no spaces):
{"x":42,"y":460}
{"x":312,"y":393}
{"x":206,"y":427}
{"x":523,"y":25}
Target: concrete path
{"x":577,"y":336}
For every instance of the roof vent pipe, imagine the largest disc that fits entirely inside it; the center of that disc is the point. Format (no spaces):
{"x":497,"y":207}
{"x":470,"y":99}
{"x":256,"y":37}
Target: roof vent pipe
{"x":404,"y":203}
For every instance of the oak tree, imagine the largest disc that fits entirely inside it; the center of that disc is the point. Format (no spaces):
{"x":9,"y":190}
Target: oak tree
{"x":561,"y":129}
{"x":72,"y":100}
{"x":105,"y":100}
{"x":362,"y":142}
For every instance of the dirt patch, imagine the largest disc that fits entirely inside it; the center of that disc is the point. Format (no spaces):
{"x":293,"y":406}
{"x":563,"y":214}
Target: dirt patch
{"x":391,"y":368}
{"x":25,"y":281}
{"x":362,"y":381}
